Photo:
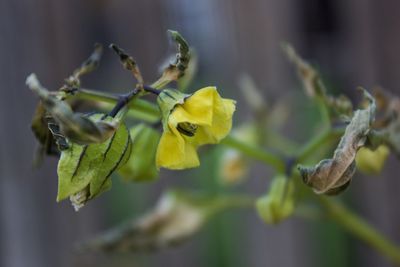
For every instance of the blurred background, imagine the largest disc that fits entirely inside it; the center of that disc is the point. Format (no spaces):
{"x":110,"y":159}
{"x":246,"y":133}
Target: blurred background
{"x":353,"y":43}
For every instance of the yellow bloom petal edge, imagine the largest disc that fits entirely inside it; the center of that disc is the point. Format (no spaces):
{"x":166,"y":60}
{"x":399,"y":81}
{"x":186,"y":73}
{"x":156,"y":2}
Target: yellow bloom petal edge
{"x":202,"y":118}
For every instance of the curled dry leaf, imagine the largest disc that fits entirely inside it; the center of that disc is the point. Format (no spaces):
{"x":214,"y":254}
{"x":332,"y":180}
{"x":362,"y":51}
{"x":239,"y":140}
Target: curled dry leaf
{"x":331,"y":176}
{"x":175,"y":70}
{"x":128,"y":62}
{"x":176,"y":217}
{"x":74,"y":126}
{"x":387,"y":127}
{"x":88,"y":66}
{"x":314,"y":87}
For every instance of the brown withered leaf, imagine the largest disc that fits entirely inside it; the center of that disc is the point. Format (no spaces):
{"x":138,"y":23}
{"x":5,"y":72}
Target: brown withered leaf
{"x":129,"y":63}
{"x":46,"y":142}
{"x":175,"y":70}
{"x":176,"y":217}
{"x":386,"y":128}
{"x":315,"y":88}
{"x":331,"y":176}
{"x":88,"y":66}
{"x":74,"y":126}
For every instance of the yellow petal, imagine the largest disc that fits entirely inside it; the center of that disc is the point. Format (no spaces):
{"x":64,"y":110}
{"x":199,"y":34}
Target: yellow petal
{"x":200,"y":105}
{"x":222,"y":117}
{"x":174,"y":153}
{"x":221,"y":122}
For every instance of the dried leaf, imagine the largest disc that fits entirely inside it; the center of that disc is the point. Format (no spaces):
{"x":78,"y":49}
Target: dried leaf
{"x":252,"y":94}
{"x":176,"y":217}
{"x":331,"y":176}
{"x":314,"y":86}
{"x":387,"y":126}
{"x":186,"y":80}
{"x":74,"y":126}
{"x":87,"y":66}
{"x":175,"y":70}
{"x":128,"y":62}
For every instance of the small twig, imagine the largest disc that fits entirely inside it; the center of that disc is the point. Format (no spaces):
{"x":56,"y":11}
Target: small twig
{"x":129,"y":63}
{"x":122,"y":102}
{"x":150,"y":89}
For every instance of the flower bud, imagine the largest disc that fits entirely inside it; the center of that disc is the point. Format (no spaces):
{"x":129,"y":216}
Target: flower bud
{"x":372,"y":161}
{"x":278,"y":204}
{"x":141,"y":165}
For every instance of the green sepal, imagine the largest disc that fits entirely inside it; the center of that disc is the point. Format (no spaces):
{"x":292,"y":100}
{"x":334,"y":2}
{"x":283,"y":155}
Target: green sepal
{"x":167,"y":100}
{"x":279,"y":203}
{"x":141,"y":165}
{"x":82,"y":166}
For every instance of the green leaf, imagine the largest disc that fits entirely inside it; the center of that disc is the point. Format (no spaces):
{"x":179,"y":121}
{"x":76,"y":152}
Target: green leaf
{"x":86,"y":169}
{"x":331,"y":176}
{"x":141,"y":165}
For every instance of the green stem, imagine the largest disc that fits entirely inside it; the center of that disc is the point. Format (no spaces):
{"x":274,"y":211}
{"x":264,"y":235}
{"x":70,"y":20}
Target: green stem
{"x":317,"y":142}
{"x":255,"y":152}
{"x":231,"y":202}
{"x":360,"y":228}
{"x":323,"y":110}
{"x":136,"y":104}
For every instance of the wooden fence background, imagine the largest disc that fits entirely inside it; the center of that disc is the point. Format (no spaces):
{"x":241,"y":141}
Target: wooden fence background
{"x":353,"y":42}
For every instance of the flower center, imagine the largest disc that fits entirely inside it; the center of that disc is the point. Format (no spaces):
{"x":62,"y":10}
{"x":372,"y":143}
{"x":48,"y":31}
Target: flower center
{"x":187,"y":128}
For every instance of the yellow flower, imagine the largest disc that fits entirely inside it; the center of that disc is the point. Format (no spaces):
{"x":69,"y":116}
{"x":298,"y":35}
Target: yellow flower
{"x":190,"y":121}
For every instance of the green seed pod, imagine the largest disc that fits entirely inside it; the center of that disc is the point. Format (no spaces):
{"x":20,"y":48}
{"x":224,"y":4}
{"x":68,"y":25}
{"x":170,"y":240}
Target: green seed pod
{"x":141,"y":165}
{"x":372,"y":161}
{"x":84,"y":170}
{"x":278,"y":204}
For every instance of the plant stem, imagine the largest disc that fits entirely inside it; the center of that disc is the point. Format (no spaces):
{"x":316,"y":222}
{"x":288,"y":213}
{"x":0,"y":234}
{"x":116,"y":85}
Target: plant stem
{"x":255,"y":152}
{"x":135,"y":104}
{"x":323,"y":110}
{"x":317,"y":142}
{"x":231,"y":202}
{"x":360,"y":228}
